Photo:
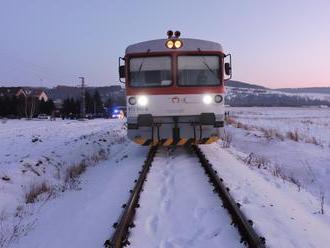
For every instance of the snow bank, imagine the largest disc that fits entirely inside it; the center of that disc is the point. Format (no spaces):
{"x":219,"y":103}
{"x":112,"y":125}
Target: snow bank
{"x":35,"y":161}
{"x":284,"y":216}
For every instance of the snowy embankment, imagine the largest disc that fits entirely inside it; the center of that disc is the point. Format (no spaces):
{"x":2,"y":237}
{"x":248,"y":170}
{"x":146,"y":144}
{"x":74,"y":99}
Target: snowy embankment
{"x":83,"y":218}
{"x":40,"y":158}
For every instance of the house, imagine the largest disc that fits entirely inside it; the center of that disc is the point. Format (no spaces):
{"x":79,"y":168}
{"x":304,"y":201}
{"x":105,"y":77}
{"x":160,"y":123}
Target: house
{"x":39,"y":94}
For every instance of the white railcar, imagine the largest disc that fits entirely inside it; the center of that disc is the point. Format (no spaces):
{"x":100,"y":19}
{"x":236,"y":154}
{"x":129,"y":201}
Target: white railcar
{"x":175,"y":90}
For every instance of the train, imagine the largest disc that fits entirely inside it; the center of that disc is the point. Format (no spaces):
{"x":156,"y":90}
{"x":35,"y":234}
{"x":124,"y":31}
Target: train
{"x":175,"y":90}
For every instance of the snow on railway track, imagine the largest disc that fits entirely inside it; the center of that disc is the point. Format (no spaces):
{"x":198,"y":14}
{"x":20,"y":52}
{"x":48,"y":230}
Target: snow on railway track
{"x":178,"y":207}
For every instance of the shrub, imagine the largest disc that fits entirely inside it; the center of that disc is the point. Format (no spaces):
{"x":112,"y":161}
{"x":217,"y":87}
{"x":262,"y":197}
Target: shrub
{"x":230,"y":120}
{"x":295,"y":181}
{"x":322,"y":198}
{"x":240,"y":125}
{"x":72,"y":174}
{"x":293,"y":135}
{"x":313,"y":140}
{"x":272,"y":133}
{"x":227,"y":139}
{"x":35,"y":190}
{"x":256,"y":160}
{"x":74,"y":171}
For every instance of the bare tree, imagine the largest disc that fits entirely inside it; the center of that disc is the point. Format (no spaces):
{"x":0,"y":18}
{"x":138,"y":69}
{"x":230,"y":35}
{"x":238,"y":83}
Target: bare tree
{"x":30,"y":105}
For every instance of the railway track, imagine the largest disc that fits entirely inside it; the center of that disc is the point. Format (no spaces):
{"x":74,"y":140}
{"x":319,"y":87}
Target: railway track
{"x":245,"y":226}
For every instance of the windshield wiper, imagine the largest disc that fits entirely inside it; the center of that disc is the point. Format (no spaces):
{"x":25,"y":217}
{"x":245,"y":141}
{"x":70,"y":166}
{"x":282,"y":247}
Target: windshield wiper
{"x":142,"y":62}
{"x":207,"y":66}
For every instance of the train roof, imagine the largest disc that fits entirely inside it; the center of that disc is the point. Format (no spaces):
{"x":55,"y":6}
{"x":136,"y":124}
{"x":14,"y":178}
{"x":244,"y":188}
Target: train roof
{"x":188,"y":45}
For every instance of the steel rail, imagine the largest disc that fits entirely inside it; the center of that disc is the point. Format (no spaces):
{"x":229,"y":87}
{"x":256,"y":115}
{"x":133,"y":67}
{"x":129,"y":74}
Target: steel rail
{"x":120,"y":236}
{"x":244,"y":225}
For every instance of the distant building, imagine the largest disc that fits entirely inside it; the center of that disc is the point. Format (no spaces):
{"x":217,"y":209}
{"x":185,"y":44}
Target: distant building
{"x":33,"y":93}
{"x":40,"y":94}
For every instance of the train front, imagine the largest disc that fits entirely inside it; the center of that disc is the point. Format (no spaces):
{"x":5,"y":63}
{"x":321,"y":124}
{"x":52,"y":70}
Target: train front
{"x":175,"y":90}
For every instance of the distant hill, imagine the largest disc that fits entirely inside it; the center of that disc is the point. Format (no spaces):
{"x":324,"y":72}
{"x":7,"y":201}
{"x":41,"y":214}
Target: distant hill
{"x":239,"y":84}
{"x":320,"y":90}
{"x":248,"y":95}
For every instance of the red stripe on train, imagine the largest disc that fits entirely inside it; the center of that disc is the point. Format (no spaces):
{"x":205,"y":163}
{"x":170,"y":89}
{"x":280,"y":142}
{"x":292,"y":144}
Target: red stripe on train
{"x":174,"y":90}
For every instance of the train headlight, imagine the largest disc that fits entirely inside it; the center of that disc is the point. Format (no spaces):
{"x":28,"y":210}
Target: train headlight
{"x":207,"y":99}
{"x":218,"y":98}
{"x":170,"y":44}
{"x":132,"y":100}
{"x":178,"y":43}
{"x":142,"y":100}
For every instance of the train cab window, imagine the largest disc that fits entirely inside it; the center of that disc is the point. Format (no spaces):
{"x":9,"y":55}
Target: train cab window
{"x":198,"y":70}
{"x":150,"y":71}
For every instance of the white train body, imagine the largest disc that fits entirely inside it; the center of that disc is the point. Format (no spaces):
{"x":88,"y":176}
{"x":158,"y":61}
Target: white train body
{"x":175,"y":105}
{"x":175,"y":96}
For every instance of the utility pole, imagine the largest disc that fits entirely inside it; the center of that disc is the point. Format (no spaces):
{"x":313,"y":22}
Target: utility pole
{"x":82,"y":99}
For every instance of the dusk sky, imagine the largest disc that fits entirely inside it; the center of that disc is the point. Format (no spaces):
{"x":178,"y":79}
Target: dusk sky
{"x":276,"y":43}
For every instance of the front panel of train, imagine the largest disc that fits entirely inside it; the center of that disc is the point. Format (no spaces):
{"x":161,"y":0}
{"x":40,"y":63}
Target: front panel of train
{"x":174,"y":96}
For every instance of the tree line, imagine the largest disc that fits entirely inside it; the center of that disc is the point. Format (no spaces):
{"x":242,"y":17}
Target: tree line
{"x":23,"y":106}
{"x":93,"y":104}
{"x":30,"y":107}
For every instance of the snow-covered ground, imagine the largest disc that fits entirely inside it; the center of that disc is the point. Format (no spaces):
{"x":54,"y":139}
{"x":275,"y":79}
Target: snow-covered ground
{"x":84,"y":218}
{"x":42,"y":156}
{"x":179,"y":209}
{"x":264,"y":171}
{"x":292,"y":142}
{"x":285,"y":216}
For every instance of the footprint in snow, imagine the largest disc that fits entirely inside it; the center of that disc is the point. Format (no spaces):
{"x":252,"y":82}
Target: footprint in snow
{"x":165,"y":173}
{"x":163,"y":191}
{"x":199,"y":213}
{"x":165,"y":205}
{"x":152,"y":225}
{"x":170,"y":180}
{"x":166,"y":244}
{"x":246,"y":200}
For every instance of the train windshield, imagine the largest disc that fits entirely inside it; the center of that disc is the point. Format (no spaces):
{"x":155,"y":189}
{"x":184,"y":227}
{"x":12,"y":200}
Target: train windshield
{"x":150,"y":71}
{"x":198,"y":70}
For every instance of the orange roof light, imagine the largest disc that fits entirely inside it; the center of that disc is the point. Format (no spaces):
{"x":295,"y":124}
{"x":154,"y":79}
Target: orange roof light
{"x":173,"y":42}
{"x":170,"y":44}
{"x":177,"y":43}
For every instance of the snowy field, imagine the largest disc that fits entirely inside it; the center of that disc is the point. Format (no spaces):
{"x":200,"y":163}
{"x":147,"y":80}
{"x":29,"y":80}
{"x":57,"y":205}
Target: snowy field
{"x":80,"y":174}
{"x":292,"y":142}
